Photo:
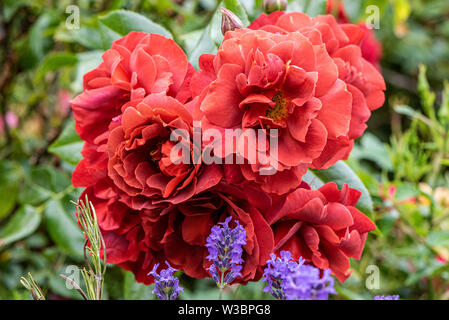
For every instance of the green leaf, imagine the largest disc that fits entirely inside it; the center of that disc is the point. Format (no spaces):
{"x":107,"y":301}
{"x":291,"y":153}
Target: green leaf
{"x":438,"y":238}
{"x":190,"y":40}
{"x":39,"y":40}
{"x":10,"y":7}
{"x":38,"y":186}
{"x":88,"y":37}
{"x":408,"y":111}
{"x":312,"y":180}
{"x":133,"y":290}
{"x":62,"y":226}
{"x":215,"y":23}
{"x":55,"y":61}
{"x":371,"y":148}
{"x":238,"y":9}
{"x":426,"y":95}
{"x":23,"y":223}
{"x":311,"y":7}
{"x":59,"y":285}
{"x":33,"y":194}
{"x":41,"y":183}
{"x":69,"y":145}
{"x":443,"y":113}
{"x":86,"y":62}
{"x":349,"y":294}
{"x":9,"y":185}
{"x":123,"y":22}
{"x":341,"y":173}
{"x":204,"y":45}
{"x":107,"y":36}
{"x":212,"y":37}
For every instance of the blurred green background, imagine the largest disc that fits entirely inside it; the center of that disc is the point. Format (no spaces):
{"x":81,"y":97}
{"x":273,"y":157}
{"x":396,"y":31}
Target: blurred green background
{"x":403,"y":158}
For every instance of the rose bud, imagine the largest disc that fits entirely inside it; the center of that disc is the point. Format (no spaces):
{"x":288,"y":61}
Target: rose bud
{"x":229,"y":21}
{"x":270,"y":6}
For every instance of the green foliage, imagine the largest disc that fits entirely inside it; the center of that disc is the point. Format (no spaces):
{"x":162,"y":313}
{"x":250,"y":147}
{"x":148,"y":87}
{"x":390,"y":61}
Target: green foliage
{"x":68,"y":146}
{"x":21,"y":225}
{"x":62,"y":227}
{"x":423,"y":150}
{"x":9,"y":186}
{"x":122,"y":22}
{"x":54,"y":62}
{"x":132,"y":290}
{"x":211,"y":37}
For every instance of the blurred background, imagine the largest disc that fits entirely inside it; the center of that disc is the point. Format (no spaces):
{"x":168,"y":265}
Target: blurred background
{"x":403,"y":158}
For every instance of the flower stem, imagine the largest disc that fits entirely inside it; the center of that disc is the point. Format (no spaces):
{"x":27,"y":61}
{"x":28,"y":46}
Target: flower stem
{"x":222,"y":285}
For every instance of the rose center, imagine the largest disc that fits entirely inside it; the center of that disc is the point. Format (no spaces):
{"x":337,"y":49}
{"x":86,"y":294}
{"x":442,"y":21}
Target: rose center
{"x":172,"y":163}
{"x":156,"y":153}
{"x":280,"y":110}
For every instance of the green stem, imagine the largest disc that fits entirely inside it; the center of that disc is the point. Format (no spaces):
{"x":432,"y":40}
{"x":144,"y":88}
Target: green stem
{"x":220,"y":295}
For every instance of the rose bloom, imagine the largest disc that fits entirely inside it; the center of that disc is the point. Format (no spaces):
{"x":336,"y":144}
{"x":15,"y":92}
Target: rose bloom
{"x":362,"y":79}
{"x":137,"y":239}
{"x":264,"y":80}
{"x":137,"y":65}
{"x":322,"y":226}
{"x":371,"y":47}
{"x":151,"y":154}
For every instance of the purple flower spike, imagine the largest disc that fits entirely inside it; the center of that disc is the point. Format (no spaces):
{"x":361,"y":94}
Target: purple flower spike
{"x":307,"y":284}
{"x":225,"y":251}
{"x":166,"y":285}
{"x":290,"y":280}
{"x":394,"y":297}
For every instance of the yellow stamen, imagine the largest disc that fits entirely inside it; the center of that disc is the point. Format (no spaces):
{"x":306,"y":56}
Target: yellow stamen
{"x":280,"y":110}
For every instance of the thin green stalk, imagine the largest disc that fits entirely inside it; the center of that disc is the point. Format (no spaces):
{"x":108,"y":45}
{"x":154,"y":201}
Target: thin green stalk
{"x":95,"y":248}
{"x":220,"y":296}
{"x":33,"y":287}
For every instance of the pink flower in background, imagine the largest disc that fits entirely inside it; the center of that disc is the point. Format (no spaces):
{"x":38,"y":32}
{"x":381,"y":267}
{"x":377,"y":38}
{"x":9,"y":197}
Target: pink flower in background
{"x":11,"y":120}
{"x":64,"y":97}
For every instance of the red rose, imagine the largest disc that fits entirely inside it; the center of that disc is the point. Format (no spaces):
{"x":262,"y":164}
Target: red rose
{"x":370,"y":46}
{"x":338,"y":12}
{"x":343,"y":43}
{"x":137,"y":239}
{"x":137,"y":65}
{"x":263,"y":80}
{"x":192,"y":220}
{"x":151,"y":154}
{"x":322,"y":226}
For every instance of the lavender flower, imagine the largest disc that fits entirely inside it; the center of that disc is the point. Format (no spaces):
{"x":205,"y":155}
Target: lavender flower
{"x":307,"y":284}
{"x":225,"y":251}
{"x":394,"y":297}
{"x":276,"y":273}
{"x":290,"y":280}
{"x":166,"y":285}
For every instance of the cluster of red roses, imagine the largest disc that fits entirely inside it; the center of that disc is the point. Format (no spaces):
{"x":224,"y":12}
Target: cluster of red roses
{"x":303,"y":76}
